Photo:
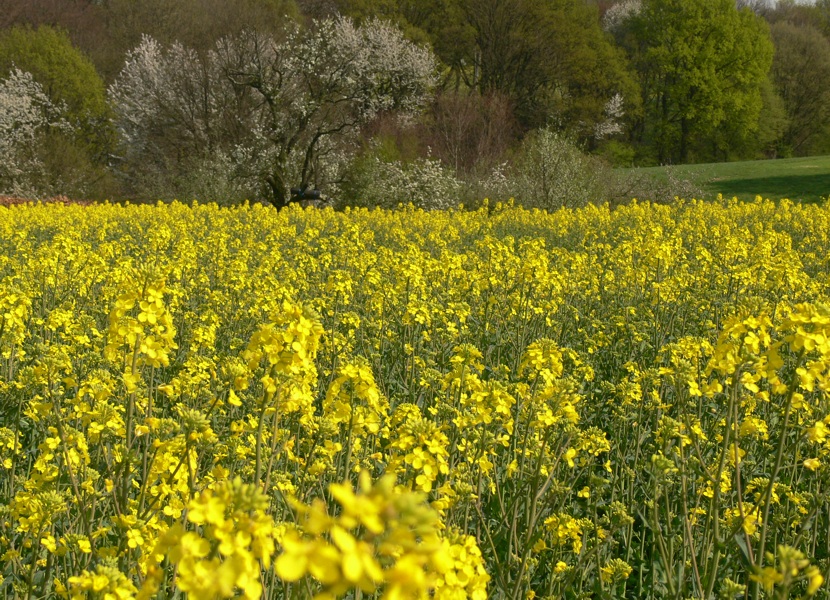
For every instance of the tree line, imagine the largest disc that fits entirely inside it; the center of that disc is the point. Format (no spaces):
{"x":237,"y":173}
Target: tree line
{"x":380,"y":101}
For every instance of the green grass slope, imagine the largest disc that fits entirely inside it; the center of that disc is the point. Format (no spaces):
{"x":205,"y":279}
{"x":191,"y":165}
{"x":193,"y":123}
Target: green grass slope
{"x":803,"y":179}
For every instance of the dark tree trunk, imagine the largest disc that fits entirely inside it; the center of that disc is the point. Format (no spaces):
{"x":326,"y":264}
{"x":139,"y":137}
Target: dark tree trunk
{"x":684,"y":139}
{"x":276,"y":186}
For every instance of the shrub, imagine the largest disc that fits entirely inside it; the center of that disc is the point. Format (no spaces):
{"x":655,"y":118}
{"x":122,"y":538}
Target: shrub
{"x":425,"y":183}
{"x":552,"y":172}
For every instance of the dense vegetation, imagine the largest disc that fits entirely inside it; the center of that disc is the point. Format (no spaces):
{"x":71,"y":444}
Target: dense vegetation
{"x":224,"y":101}
{"x":548,"y":397}
{"x":494,"y":403}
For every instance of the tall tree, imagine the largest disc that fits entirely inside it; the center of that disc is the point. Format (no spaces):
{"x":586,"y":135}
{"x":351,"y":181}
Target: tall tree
{"x":275,"y":106}
{"x":801,"y":72}
{"x":552,"y":58}
{"x":701,"y":64}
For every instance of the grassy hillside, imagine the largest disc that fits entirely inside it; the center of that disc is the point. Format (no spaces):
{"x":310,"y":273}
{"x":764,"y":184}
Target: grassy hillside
{"x":805,"y":179}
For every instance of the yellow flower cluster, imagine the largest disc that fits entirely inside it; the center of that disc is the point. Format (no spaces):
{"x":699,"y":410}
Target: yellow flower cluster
{"x":236,"y":539}
{"x":250,"y":403}
{"x":399,"y":552}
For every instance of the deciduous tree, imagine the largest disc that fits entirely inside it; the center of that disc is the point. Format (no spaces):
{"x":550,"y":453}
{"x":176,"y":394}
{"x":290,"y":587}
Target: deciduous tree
{"x":801,"y":72}
{"x":278,"y":104}
{"x":321,"y":85}
{"x":471,"y":132}
{"x":701,"y":65}
{"x":174,"y":111}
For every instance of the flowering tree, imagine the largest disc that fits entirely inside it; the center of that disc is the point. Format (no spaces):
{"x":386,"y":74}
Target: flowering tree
{"x":322,"y":84}
{"x":172,"y":107}
{"x":279,"y":108}
{"x":25,"y":113}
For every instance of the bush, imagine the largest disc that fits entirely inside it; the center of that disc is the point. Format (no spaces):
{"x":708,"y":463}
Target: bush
{"x":217,"y":178}
{"x":425,"y":183}
{"x":552,"y":172}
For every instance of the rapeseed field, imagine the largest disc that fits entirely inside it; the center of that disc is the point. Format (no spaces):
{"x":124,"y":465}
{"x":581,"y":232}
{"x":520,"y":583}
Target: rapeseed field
{"x":215,"y":403}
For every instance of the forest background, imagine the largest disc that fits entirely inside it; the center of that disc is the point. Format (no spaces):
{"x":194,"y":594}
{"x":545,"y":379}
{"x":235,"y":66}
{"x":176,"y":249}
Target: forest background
{"x":377,"y":102}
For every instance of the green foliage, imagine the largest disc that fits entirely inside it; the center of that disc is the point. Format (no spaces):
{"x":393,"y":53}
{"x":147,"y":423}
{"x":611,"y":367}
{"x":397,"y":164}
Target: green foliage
{"x":64,"y":72}
{"x":452,"y":35}
{"x":195,"y":23}
{"x":67,"y":76}
{"x":551,"y":58}
{"x":619,"y":154}
{"x":701,"y":66}
{"x":388,"y":10}
{"x":801,"y":71}
{"x":69,"y":171}
{"x":772,"y":123}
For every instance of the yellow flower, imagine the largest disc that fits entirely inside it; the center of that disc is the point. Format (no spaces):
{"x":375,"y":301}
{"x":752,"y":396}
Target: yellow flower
{"x":615,"y":571}
{"x":812,"y":463}
{"x":768,"y":577}
{"x":292,"y":564}
{"x":814,"y":580}
{"x":569,"y":456}
{"x":818,"y":432}
{"x":49,"y":543}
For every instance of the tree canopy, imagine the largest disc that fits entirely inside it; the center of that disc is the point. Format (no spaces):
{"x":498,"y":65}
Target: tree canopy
{"x":701,"y":64}
{"x":65,"y":73}
{"x":801,"y":71}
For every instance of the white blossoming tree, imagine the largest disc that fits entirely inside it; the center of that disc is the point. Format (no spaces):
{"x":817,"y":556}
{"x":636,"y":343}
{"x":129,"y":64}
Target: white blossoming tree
{"x":25,"y":113}
{"x":280,"y":109}
{"x":172,"y":107}
{"x":323,"y":84}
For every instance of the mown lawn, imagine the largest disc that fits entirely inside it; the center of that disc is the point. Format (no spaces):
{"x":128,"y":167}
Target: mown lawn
{"x":806,"y":179}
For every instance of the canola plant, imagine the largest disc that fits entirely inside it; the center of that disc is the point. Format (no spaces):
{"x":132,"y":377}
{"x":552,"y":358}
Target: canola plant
{"x":215,"y":403}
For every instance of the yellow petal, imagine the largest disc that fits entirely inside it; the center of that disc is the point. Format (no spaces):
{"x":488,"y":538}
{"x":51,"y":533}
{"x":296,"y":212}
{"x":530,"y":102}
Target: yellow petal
{"x":291,"y":567}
